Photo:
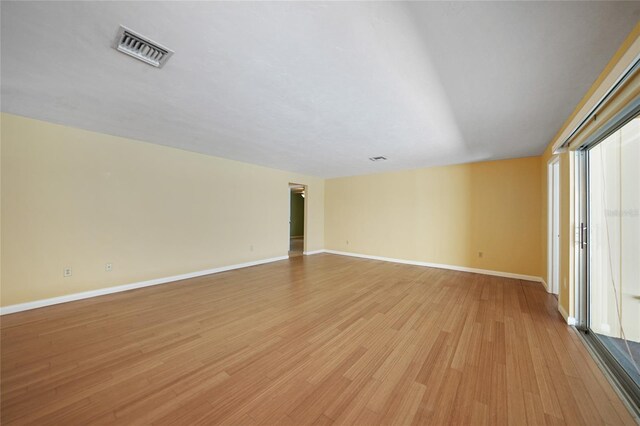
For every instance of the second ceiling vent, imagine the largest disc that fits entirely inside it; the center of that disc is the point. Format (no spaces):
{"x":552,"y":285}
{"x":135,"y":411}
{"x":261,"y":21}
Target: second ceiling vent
{"x":140,"y":47}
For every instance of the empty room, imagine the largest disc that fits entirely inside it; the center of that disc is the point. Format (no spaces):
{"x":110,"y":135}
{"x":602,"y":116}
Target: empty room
{"x":320,"y":212}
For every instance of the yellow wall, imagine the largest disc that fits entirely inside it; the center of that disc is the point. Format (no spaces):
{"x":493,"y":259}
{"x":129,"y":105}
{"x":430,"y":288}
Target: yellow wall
{"x":81,"y":199}
{"x":442,"y":215}
{"x":629,"y":49}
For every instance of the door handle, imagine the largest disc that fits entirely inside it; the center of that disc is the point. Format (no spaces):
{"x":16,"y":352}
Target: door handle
{"x":583,"y":235}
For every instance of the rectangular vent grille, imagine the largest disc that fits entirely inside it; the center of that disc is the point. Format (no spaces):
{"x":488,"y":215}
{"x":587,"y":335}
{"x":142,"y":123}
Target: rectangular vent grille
{"x":141,"y":48}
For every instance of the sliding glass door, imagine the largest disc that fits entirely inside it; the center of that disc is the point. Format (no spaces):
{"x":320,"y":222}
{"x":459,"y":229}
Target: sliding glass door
{"x":613,"y":250}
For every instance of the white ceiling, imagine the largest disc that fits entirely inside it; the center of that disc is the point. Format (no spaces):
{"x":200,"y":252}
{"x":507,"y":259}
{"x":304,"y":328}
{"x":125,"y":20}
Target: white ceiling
{"x":315,"y":88}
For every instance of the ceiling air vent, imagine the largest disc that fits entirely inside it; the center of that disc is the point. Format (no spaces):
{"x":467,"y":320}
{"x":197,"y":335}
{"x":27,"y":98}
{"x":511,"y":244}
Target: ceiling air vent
{"x":140,"y":47}
{"x":379,"y":158}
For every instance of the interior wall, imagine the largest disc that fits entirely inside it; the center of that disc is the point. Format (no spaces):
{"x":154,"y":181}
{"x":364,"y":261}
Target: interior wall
{"x":445,"y":215}
{"x":80,"y":199}
{"x":296,"y":227}
{"x":566,"y":224}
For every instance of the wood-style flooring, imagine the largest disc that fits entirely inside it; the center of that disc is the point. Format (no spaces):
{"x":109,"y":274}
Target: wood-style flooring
{"x":320,"y":339}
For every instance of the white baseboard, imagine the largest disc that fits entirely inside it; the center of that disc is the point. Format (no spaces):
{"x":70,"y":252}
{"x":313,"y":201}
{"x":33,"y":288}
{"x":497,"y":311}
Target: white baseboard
{"x":565,"y":315}
{"x":440,"y":266}
{"x":544,"y":283}
{"x":306,"y":253}
{"x":117,"y":289}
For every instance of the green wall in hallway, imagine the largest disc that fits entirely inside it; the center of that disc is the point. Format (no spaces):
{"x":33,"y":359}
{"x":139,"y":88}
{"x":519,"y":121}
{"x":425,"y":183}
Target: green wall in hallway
{"x":296,"y":227}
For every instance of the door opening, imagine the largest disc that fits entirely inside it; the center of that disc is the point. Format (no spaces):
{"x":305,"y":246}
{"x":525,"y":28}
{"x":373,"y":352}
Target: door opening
{"x":553,"y":249}
{"x":609,"y":249}
{"x":297,"y":223}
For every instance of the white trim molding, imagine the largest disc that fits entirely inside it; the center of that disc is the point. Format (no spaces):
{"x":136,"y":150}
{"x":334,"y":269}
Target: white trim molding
{"x":307,"y":253}
{"x":117,"y":289}
{"x":546,"y":286}
{"x":565,"y":315}
{"x":441,"y":266}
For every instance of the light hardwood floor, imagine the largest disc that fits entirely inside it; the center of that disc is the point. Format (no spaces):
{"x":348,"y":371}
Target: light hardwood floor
{"x":320,"y":339}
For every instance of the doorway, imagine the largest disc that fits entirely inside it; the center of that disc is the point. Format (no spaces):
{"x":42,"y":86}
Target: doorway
{"x":553,"y":239}
{"x":297,"y":208}
{"x":609,"y":248}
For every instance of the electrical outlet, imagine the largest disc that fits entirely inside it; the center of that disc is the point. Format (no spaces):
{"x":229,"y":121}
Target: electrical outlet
{"x":108,"y":267}
{"x":67,"y":272}
{"x":480,"y":254}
